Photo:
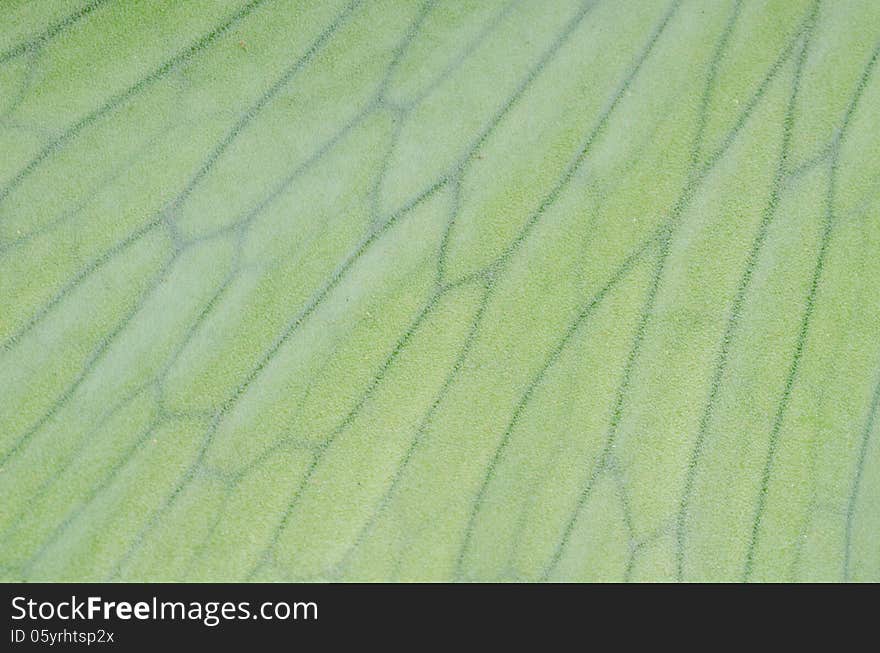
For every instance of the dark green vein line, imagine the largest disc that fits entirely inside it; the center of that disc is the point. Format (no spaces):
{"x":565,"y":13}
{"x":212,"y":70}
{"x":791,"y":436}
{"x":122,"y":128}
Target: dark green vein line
{"x":546,"y":476}
{"x":860,"y":469}
{"x":47,"y":485}
{"x":350,"y":417}
{"x":454,"y":176}
{"x":120,"y":98}
{"x":403,"y":46}
{"x":399,"y":52}
{"x":166,"y":217}
{"x":809,"y":305}
{"x":488,"y":130}
{"x":331,"y":283}
{"x":588,"y":229}
{"x":403,"y":111}
{"x":104,"y":483}
{"x":626,"y":516}
{"x":24,"y":87}
{"x":553,"y":357}
{"x":575,"y":165}
{"x":291,"y":328}
{"x":198,"y":551}
{"x":162,"y":218}
{"x":231,"y":482}
{"x":670,"y":227}
{"x":287,"y":439}
{"x":340,"y":272}
{"x":193,"y":329}
{"x":119,"y":172}
{"x":81,"y":275}
{"x":494,"y":269}
{"x":283,"y":80}
{"x":376,"y":103}
{"x":398,"y":118}
{"x":461,"y":165}
{"x":638,"y":547}
{"x":321,"y":448}
{"x":197,"y":324}
{"x":50,"y":32}
{"x":811,"y":163}
{"x":244,"y":221}
{"x":92,"y":361}
{"x":700,"y":173}
{"x":790,"y":382}
{"x":739,"y":300}
{"x":550,"y":198}
{"x":468,"y":50}
{"x":533,"y":74}
{"x":706,"y":99}
{"x":105,"y":344}
{"x":617,"y":410}
{"x":497,"y":266}
{"x":454,"y":209}
{"x":158,"y":381}
{"x":420,"y":432}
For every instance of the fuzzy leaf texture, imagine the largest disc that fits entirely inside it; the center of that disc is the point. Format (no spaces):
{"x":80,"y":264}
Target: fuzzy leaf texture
{"x":515,"y":290}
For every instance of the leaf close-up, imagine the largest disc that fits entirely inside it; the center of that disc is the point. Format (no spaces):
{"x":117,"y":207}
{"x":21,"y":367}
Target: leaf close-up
{"x":466,"y":290}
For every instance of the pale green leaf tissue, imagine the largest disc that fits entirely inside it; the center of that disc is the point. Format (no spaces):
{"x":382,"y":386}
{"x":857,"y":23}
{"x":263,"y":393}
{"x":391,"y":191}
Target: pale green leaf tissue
{"x":464,"y":290}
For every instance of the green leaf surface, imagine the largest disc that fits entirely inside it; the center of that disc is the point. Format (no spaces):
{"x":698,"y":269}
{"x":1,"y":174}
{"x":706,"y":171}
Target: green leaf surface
{"x":463,"y":290}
